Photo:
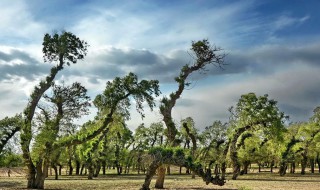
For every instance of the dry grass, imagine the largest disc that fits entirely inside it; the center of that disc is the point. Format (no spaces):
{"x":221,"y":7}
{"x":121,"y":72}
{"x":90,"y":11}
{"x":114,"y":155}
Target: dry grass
{"x":261,"y":181}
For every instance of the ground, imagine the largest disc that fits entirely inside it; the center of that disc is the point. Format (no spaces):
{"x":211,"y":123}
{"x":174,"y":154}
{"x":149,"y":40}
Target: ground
{"x":254,"y":181}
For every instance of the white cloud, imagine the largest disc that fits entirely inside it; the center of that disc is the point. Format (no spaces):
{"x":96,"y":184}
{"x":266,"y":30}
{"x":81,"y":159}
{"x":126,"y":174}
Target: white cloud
{"x":295,"y":89}
{"x":14,"y":95}
{"x":151,"y":40}
{"x":285,"y":21}
{"x":17,"y":25}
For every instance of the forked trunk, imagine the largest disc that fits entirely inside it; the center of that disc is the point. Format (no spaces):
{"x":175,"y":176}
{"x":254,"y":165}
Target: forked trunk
{"x":161,"y":172}
{"x":39,"y":181}
{"x":31,"y":177}
{"x":150,"y":173}
{"x":37,"y":176}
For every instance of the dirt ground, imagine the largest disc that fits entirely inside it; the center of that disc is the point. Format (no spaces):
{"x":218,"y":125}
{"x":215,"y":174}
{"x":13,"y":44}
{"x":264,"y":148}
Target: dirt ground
{"x":255,"y":181}
{"x":12,"y":172}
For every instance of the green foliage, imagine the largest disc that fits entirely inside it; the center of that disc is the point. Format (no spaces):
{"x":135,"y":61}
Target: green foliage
{"x":167,"y":152}
{"x":146,"y":137}
{"x":259,"y":113}
{"x":190,"y":124}
{"x":59,"y":109}
{"x":65,"y":46}
{"x":8,"y":128}
{"x":179,"y":153}
{"x":203,"y":54}
{"x":162,"y":151}
{"x":117,"y":92}
{"x":10,"y":159}
{"x":72,"y":100}
{"x":253,"y":116}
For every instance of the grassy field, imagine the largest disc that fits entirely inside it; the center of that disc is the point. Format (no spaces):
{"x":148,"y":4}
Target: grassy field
{"x":261,"y":181}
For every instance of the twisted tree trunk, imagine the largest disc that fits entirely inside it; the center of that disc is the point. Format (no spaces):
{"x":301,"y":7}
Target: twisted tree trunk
{"x":158,"y":162}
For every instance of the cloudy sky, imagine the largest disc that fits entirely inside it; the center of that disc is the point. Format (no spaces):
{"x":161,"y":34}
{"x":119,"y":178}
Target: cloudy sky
{"x":272,"y":46}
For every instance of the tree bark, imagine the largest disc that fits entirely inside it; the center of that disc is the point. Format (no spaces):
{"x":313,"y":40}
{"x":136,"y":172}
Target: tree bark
{"x":60,"y":169}
{"x":168,"y":170}
{"x":318,"y":161}
{"x":236,"y":171}
{"x":283,"y":168}
{"x":304,"y":163}
{"x":285,"y":155}
{"x":194,"y":144}
{"x":271,"y":166}
{"x":161,"y":171}
{"x":26,"y":135}
{"x":150,"y":173}
{"x":216,"y":169}
{"x":97,"y":170}
{"x":90,"y":171}
{"x":55,"y":171}
{"x":70,"y":167}
{"x":41,"y":170}
{"x":104,"y":167}
{"x":234,"y":151}
{"x":82,"y":168}
{"x":78,"y":167}
{"x":293,"y":167}
{"x":245,"y":167}
{"x":312,"y":164}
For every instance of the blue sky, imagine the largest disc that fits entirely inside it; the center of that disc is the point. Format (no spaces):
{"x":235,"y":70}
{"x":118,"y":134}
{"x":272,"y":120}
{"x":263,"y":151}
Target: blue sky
{"x":272,"y":46}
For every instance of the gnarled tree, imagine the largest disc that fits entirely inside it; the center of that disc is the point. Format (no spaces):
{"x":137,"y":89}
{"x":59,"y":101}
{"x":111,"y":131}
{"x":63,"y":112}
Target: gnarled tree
{"x":253,"y":113}
{"x":114,"y":101}
{"x":203,"y":54}
{"x":64,"y":48}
